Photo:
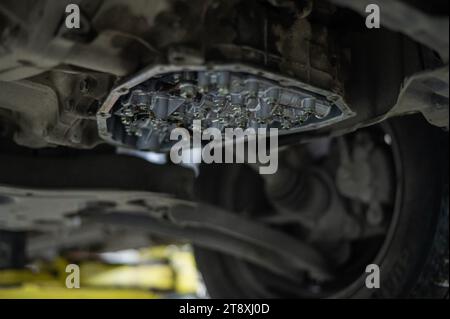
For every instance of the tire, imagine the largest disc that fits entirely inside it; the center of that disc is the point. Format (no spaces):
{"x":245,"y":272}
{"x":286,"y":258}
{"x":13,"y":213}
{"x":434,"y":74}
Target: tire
{"x":413,"y":261}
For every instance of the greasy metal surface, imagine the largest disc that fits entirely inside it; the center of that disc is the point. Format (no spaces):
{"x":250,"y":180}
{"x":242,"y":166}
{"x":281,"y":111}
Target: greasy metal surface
{"x":155,"y":70}
{"x":146,"y":116}
{"x":426,"y":92}
{"x":20,"y":98}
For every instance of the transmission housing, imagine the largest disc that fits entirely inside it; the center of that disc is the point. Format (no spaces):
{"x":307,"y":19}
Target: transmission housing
{"x":142,"y":112}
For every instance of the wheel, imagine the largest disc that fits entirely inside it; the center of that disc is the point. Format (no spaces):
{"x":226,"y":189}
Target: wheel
{"x":391,"y":180}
